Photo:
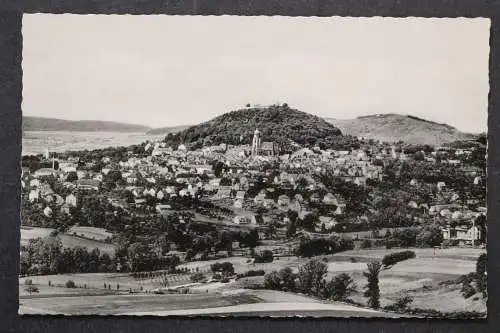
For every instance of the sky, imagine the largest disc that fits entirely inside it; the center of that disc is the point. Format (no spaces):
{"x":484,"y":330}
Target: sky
{"x":177,"y":70}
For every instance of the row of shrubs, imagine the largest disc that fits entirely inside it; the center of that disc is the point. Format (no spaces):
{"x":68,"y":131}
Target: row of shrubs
{"x":396,"y":257}
{"x":251,"y":273}
{"x":312,"y":247}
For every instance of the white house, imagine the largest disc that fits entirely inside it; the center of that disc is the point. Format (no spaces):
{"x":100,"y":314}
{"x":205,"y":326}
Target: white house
{"x":244,"y":220}
{"x":440,"y":185}
{"x":44,"y":172}
{"x":464,"y":235}
{"x":283,"y":200}
{"x":330,"y":200}
{"x":47,"y":211}
{"x":34,"y":183}
{"x":160,"y":195}
{"x":71,"y":200}
{"x":34,"y":195}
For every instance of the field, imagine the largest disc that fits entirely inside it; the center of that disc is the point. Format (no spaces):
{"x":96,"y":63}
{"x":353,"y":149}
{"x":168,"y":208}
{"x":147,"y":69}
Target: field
{"x":28,"y":233}
{"x":70,"y":241}
{"x":418,"y":277}
{"x":93,"y":233}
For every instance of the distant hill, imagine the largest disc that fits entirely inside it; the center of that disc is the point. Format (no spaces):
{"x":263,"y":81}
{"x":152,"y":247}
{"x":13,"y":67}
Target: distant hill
{"x":52,"y":124}
{"x":167,"y":130}
{"x":278,"y":123}
{"x":395,"y":127}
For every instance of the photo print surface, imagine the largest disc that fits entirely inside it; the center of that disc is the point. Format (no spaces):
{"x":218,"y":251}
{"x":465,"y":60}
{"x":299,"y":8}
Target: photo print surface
{"x":254,"y":166}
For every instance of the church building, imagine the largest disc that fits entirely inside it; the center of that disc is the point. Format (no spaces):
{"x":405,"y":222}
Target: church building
{"x":263,"y":148}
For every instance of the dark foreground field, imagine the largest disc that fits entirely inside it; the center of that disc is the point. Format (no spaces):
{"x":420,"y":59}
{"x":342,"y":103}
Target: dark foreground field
{"x":250,"y":303}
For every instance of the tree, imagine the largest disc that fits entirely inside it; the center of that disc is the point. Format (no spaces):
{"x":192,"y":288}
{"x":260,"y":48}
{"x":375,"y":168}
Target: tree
{"x":31,"y":289}
{"x":113,"y":176}
{"x":419,"y":156}
{"x":264,"y":256}
{"x":25,"y":263}
{"x":481,"y":225}
{"x":309,"y":221}
{"x":372,"y":289}
{"x":311,"y":277}
{"x":218,"y":168}
{"x":287,"y":278}
{"x":225,"y":268}
{"x":70,"y":284}
{"x":250,"y":239}
{"x":430,"y":236}
{"x":481,"y":281}
{"x":340,"y":287}
{"x":94,"y":258}
{"x":271,"y":229}
{"x":72,"y":177}
{"x":272,"y":281}
{"x":67,"y":262}
{"x":292,"y":225}
{"x":137,"y":254}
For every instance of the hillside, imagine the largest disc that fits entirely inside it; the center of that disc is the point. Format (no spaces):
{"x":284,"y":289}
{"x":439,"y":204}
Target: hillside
{"x":166,"y":130}
{"x":52,"y":124}
{"x":394,"y":127}
{"x":278,"y":123}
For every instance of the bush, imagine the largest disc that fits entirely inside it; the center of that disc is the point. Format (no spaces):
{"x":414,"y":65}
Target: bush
{"x":225,"y":268}
{"x":311,"y":277}
{"x":467,"y":290}
{"x":366,"y":244}
{"x":450,"y":242}
{"x":467,"y":278}
{"x":340,"y":287}
{"x":313,"y":247}
{"x":272,"y":281}
{"x":481,"y":282}
{"x":31,"y":289}
{"x":402,"y":303}
{"x":396,"y":257}
{"x":251,"y":273}
{"x":70,"y":284}
{"x":265,"y":256}
{"x":197,"y":277}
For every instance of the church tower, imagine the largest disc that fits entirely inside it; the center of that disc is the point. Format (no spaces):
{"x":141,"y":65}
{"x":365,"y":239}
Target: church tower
{"x":256,"y":142}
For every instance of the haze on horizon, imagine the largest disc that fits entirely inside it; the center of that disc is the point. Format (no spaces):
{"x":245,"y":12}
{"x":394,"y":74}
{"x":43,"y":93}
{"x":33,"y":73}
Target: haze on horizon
{"x":177,"y":70}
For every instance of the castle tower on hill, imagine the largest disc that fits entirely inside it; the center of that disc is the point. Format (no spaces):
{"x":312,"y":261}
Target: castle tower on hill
{"x":257,"y":137}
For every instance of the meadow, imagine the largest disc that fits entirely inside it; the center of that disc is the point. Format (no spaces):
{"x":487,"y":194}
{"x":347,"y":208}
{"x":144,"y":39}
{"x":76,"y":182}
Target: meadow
{"x":69,"y":240}
{"x":419,"y":278}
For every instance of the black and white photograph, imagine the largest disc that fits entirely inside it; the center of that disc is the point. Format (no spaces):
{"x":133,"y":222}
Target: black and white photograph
{"x":254,"y":166}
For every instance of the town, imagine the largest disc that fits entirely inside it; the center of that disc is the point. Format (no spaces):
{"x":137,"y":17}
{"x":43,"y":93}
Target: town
{"x":176,"y":217}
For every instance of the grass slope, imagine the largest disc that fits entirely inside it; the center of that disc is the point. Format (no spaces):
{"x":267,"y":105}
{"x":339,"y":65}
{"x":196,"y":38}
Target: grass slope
{"x":394,"y":127}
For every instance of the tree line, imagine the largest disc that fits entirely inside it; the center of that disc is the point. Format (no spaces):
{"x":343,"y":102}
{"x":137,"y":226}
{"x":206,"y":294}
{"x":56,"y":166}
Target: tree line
{"x":47,"y":256}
